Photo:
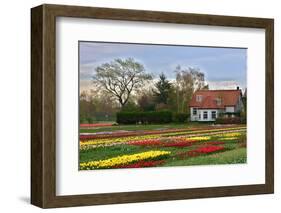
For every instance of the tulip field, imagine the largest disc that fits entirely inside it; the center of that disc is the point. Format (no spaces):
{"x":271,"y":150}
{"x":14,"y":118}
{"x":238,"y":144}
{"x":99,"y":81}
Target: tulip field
{"x":112,"y":148}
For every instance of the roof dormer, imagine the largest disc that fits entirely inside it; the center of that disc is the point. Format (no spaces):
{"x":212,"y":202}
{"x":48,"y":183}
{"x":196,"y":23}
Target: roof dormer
{"x":218,"y":101}
{"x":198,"y":98}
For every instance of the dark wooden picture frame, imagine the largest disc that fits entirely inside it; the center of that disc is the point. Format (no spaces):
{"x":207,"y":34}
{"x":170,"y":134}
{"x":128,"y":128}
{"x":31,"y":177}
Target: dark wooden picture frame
{"x":43,"y":105}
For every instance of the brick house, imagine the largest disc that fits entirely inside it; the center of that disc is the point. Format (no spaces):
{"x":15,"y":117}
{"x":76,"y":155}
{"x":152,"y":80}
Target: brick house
{"x":207,"y":105}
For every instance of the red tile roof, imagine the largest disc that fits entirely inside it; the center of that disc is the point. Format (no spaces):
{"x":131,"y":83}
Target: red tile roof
{"x":210,"y":97}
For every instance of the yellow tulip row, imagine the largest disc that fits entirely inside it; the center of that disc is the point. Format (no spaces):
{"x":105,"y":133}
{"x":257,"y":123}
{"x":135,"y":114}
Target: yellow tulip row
{"x":232,"y":134}
{"x":84,"y":145}
{"x":122,"y":160}
{"x":118,"y":140}
{"x":202,"y":131}
{"x":203,"y":138}
{"x":228,"y":138}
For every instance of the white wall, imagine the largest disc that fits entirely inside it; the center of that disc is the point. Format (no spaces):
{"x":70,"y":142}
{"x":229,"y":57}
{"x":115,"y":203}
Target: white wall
{"x":193,"y":117}
{"x":15,"y":105}
{"x":229,"y":109}
{"x":200,"y":113}
{"x":209,"y":113}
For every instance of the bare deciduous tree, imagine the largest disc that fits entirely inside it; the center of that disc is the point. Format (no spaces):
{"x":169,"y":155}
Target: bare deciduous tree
{"x":187,"y":82}
{"x":120,"y":78}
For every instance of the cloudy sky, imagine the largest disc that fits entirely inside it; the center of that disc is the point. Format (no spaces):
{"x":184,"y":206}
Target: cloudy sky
{"x":218,"y":64}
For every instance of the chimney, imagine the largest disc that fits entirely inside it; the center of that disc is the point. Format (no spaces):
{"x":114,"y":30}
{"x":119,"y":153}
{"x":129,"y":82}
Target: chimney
{"x":237,"y":88}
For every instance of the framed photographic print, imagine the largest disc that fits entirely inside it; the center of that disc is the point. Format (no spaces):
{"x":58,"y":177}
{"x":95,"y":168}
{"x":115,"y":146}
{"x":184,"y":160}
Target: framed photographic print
{"x":136,"y":106}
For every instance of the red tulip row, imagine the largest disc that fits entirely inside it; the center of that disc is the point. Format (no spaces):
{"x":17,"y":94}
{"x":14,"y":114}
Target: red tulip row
{"x":96,"y":125}
{"x":178,"y":143}
{"x":142,"y":164}
{"x":151,"y":142}
{"x":201,"y":150}
{"x":208,"y":149}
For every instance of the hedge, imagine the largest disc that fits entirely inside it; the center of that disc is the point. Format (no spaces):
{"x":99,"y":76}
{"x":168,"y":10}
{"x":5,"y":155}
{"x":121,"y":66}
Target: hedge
{"x":153,"y":117}
{"x":180,"y":117}
{"x":234,"y":120}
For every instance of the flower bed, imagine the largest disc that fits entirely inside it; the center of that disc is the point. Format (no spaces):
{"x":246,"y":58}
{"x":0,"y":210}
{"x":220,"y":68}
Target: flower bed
{"x":146,"y":143}
{"x":232,"y":134}
{"x":228,"y":138}
{"x":163,"y":148}
{"x":95,"y":125}
{"x":214,"y":143}
{"x":171,"y":142}
{"x":199,"y":151}
{"x":208,"y":149}
{"x":166,"y":133}
{"x":206,"y":131}
{"x":204,"y":138}
{"x":179,"y":144}
{"x":123,"y":160}
{"x":134,"y":139}
{"x":117,"y":140}
{"x":142,"y":164}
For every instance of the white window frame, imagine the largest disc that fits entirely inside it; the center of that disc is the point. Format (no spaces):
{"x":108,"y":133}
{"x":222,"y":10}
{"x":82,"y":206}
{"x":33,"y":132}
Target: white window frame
{"x":212,"y":113}
{"x":205,"y":113}
{"x":194,"y":110}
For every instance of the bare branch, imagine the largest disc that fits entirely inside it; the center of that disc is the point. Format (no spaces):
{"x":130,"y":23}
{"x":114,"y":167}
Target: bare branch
{"x":120,"y":78}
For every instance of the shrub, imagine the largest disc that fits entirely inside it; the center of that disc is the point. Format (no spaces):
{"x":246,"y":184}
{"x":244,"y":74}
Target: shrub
{"x":234,"y":120}
{"x":180,"y":117}
{"x":230,"y":114}
{"x":243,"y":116}
{"x":153,"y":117}
{"x":90,"y":120}
{"x":83,"y":120}
{"x":242,"y":140}
{"x":130,"y":107}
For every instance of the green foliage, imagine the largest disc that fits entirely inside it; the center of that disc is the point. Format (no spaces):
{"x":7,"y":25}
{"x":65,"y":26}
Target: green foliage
{"x":163,"y":87}
{"x":229,"y":114}
{"x":180,"y":117}
{"x":86,"y":109}
{"x":244,"y":100}
{"x":146,"y":102}
{"x":225,"y":120}
{"x":130,"y":107}
{"x":153,"y":117}
{"x":161,"y":107}
{"x":229,"y":157}
{"x":96,"y":106}
{"x":243,"y":118}
{"x":83,"y":120}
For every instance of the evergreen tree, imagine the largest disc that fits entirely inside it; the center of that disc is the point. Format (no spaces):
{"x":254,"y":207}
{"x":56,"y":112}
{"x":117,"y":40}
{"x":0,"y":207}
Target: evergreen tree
{"x":163,"y":87}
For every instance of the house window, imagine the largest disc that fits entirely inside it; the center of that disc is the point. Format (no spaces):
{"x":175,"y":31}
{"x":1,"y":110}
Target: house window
{"x":205,"y":115}
{"x":194,"y":111}
{"x":198,"y":98}
{"x":214,"y":114}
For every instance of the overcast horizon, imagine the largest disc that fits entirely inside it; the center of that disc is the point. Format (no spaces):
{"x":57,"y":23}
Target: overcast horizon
{"x":219,"y":64}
